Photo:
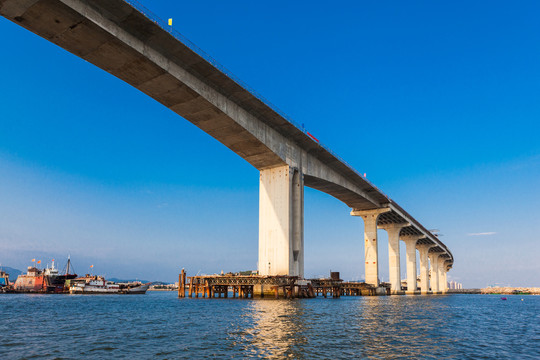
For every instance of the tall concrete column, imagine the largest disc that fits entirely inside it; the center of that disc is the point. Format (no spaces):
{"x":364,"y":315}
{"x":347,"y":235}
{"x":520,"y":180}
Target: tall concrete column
{"x":423,"y":250}
{"x":410,"y":247}
{"x":370,"y":243}
{"x":393,"y":254}
{"x":445,"y":289}
{"x":446,"y":269}
{"x":281,"y":222}
{"x":442,"y":272}
{"x":434,"y":262}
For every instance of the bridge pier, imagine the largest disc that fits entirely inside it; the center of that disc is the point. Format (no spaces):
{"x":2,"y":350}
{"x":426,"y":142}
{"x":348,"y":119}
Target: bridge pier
{"x":434,"y":262}
{"x":370,"y":243}
{"x":410,"y":247}
{"x":281,"y":222}
{"x":393,"y":231}
{"x":445,"y":273}
{"x":423,"y":249}
{"x":441,"y":274}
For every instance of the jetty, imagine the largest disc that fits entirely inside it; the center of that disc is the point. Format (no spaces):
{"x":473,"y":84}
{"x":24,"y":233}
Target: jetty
{"x":272,"y":286}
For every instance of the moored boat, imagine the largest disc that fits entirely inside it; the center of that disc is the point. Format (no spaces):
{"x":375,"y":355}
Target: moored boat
{"x":135,"y":289}
{"x":93,"y":284}
{"x":55,"y":282}
{"x":48,"y":280}
{"x":32,"y":281}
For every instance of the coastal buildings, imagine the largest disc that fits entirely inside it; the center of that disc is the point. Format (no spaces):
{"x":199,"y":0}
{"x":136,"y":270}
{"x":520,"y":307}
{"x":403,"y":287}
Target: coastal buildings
{"x":453,"y":285}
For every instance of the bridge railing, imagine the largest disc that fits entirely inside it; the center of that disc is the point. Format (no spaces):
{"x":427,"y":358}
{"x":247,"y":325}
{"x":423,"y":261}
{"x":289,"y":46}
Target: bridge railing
{"x":184,"y":40}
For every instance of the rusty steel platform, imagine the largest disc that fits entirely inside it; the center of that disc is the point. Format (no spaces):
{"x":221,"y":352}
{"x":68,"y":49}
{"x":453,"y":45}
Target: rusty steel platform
{"x":266,"y":286}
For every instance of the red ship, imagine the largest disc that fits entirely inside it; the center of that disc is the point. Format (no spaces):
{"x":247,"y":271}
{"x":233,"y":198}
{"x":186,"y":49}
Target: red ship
{"x":48,"y":280}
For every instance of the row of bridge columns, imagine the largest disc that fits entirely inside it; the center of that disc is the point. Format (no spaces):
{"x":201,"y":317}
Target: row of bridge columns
{"x":436,"y":260}
{"x":281,"y":237}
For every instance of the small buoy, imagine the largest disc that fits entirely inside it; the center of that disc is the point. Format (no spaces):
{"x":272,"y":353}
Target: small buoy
{"x":521,"y":299}
{"x":503,"y":298}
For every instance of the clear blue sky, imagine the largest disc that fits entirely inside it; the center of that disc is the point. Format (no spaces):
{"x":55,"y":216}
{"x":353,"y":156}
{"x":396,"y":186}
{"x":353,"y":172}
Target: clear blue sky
{"x":437,"y":102}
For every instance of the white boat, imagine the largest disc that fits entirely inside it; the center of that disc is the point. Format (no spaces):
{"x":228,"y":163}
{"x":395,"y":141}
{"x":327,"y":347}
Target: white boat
{"x":93,"y":285}
{"x":98,"y":285}
{"x":135,"y":289}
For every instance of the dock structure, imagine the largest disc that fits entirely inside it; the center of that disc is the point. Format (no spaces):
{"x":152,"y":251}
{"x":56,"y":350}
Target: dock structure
{"x":267,"y":286}
{"x":327,"y":287}
{"x":336,"y":289}
{"x":243,"y":286}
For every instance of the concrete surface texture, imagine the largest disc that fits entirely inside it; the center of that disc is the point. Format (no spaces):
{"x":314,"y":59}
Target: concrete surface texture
{"x":393,"y":231}
{"x":281,"y":231}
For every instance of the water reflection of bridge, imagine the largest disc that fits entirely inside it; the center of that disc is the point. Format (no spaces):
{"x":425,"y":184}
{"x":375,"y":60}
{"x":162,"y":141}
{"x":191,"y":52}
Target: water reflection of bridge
{"x":355,"y":328}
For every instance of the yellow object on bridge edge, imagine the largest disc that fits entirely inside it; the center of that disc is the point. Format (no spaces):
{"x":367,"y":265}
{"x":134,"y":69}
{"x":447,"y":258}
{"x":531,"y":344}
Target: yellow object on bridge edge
{"x":170,"y":22}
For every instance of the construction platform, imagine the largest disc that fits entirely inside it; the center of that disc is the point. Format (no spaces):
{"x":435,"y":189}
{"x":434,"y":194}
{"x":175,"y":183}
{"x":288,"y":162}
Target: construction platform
{"x":281,"y":286}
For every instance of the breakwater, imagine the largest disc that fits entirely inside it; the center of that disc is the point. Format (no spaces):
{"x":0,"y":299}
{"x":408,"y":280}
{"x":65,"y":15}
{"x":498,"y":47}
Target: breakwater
{"x":511,"y":290}
{"x":507,"y":290}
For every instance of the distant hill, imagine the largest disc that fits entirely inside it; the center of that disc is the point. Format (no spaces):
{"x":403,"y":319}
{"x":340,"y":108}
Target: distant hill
{"x":13,"y":273}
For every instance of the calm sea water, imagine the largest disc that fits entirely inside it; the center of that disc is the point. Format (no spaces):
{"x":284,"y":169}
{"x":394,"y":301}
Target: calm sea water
{"x":161,"y":326}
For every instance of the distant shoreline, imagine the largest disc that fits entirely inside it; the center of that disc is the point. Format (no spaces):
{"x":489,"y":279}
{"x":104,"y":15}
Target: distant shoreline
{"x":162,"y":289}
{"x":498,"y":290}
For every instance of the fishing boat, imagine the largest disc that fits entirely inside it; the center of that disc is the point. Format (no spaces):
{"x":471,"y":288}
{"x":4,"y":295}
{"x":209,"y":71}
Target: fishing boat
{"x":32,"y":281}
{"x":134,"y":288}
{"x":94,"y":284}
{"x":48,"y":280}
{"x":56,"y":282}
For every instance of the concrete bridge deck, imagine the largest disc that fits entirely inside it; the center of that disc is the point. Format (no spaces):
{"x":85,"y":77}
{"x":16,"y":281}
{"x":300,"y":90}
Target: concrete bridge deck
{"x":130,"y":44}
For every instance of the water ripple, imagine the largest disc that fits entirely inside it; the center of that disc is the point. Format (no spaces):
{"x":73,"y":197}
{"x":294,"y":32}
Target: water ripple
{"x":160,"y":326}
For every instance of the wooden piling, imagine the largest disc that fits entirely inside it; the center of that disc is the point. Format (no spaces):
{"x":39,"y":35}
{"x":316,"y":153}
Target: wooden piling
{"x":182,"y":284}
{"x":190,"y":294}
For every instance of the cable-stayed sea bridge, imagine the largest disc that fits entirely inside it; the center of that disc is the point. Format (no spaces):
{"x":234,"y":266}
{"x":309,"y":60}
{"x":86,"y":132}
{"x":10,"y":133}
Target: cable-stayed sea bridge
{"x":126,"y":40}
